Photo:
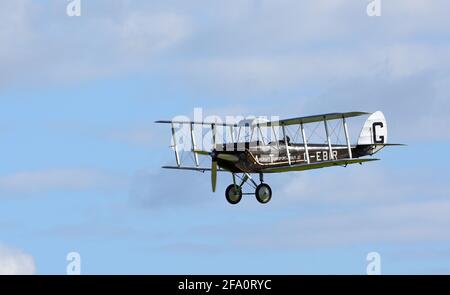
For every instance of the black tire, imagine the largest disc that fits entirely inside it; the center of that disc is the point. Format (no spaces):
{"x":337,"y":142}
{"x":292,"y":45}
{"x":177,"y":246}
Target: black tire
{"x":232,"y":196}
{"x":263,"y":193}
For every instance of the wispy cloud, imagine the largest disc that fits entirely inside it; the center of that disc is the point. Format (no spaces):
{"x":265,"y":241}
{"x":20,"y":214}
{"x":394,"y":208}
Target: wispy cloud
{"x":237,"y":56}
{"x":334,"y":208}
{"x":364,"y":184}
{"x":102,"y":43}
{"x":168,"y":189}
{"x":30,"y":182}
{"x":140,"y":136}
{"x":248,"y":49}
{"x":92,"y":229}
{"x":14,"y":261}
{"x":422,"y":221}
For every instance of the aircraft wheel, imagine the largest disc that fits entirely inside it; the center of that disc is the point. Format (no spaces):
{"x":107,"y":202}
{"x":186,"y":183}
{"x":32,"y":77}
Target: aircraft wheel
{"x":233,"y":194}
{"x":263,"y":193}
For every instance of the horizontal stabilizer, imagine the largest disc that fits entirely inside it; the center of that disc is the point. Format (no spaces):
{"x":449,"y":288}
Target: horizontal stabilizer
{"x":384,"y":144}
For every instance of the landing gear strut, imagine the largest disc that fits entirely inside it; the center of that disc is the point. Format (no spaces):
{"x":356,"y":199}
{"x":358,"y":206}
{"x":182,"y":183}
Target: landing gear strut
{"x":234,"y":193}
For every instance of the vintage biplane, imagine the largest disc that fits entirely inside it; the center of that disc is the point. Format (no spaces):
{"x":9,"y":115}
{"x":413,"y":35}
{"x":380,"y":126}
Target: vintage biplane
{"x":247,"y":151}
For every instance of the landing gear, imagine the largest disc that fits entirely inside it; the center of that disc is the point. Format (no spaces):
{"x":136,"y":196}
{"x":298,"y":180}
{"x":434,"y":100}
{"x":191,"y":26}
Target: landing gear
{"x":263,"y":192}
{"x":233,"y":194}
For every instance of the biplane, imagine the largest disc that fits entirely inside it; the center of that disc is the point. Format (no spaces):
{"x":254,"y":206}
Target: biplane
{"x":246,"y":151}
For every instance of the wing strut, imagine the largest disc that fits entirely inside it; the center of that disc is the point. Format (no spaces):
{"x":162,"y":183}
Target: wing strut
{"x":276,"y":138}
{"x":347,"y":138}
{"x":213,"y":130}
{"x":328,"y":138}
{"x":194,"y":146}
{"x":305,"y":143}
{"x":232,"y":134}
{"x":260,"y":133}
{"x":286,"y":144}
{"x":175,"y":148}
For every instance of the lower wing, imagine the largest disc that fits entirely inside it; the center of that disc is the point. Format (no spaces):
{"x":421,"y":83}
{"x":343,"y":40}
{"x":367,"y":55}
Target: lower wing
{"x":323,"y":164}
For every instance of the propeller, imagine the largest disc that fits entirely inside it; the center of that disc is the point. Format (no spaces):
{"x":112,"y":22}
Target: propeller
{"x":213,"y":175}
{"x":214,"y":156}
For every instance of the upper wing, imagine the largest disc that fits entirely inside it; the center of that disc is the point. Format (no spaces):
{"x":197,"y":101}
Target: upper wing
{"x":319,"y":118}
{"x":285,"y":122}
{"x":196,"y":123}
{"x":302,"y":167}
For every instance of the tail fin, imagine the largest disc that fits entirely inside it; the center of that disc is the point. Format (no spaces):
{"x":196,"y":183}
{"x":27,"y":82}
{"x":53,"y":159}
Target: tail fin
{"x":374,"y":132}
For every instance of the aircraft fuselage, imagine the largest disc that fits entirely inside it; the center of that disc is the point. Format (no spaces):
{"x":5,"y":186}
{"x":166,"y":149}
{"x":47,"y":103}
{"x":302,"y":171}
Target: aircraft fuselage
{"x":257,"y":158}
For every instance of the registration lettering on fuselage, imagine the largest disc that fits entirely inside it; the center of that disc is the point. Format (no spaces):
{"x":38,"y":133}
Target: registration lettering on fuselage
{"x":322,"y":156}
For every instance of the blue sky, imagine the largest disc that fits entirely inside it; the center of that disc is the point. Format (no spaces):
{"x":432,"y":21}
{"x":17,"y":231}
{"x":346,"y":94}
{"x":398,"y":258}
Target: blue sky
{"x":80,"y":162}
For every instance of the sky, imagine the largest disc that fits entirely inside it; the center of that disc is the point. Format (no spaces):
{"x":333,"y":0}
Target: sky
{"x":80,"y":153}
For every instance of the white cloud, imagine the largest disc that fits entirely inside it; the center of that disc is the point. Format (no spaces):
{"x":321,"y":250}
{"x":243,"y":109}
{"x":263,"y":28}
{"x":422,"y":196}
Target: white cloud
{"x":101,"y":43}
{"x":14,"y":261}
{"x":246,"y":46}
{"x":239,"y":49}
{"x":141,"y":32}
{"x":271,"y":44}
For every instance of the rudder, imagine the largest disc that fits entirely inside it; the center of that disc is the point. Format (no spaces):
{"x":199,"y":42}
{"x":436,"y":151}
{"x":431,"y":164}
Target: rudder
{"x":374,"y":132}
